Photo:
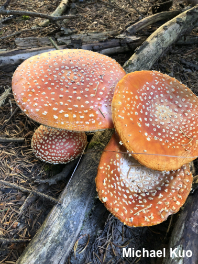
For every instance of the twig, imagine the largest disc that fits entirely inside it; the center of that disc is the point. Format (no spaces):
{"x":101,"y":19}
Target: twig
{"x":58,"y":12}
{"x":12,"y":240}
{"x":4,"y":96}
{"x":35,"y":14}
{"x":54,"y":44}
{"x":14,"y":112}
{"x":62,"y":175}
{"x":31,"y":198}
{"x":29,"y":190}
{"x":7,"y":140}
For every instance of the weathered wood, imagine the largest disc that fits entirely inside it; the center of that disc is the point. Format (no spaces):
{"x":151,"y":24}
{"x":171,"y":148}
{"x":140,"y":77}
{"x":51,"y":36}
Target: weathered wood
{"x":146,"y":55}
{"x":9,"y":60}
{"x":185,"y":235}
{"x":89,"y":37}
{"x":147,"y":21}
{"x":57,"y":12}
{"x":59,"y":232}
{"x":34,"y":14}
{"x":32,"y":42}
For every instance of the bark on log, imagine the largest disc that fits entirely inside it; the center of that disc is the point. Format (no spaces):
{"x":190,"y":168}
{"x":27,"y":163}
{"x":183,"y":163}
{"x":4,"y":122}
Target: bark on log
{"x":59,"y":232}
{"x":161,"y":39}
{"x":9,"y":60}
{"x":185,"y":235}
{"x":147,"y":21}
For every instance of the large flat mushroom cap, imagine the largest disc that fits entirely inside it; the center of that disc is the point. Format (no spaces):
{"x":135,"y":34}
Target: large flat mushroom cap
{"x":135,"y":194}
{"x":68,"y":89}
{"x":156,"y":115}
{"x":57,"y":146}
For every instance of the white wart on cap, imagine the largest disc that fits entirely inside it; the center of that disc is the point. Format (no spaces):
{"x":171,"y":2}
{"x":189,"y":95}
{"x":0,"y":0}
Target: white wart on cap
{"x":68,"y":89}
{"x":156,"y":115}
{"x":135,"y":194}
{"x":57,"y":146}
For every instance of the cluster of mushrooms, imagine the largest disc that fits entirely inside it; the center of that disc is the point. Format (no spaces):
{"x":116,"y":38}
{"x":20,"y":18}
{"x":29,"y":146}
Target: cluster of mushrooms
{"x":144,"y":172}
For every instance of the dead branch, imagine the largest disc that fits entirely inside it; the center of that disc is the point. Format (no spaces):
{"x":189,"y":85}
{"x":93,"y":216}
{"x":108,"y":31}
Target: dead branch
{"x":31,"y":198}
{"x":147,"y":21}
{"x":35,"y":14}
{"x":9,"y":60}
{"x":8,"y":140}
{"x":13,"y":113}
{"x":29,"y":190}
{"x":13,"y":240}
{"x":145,"y":56}
{"x":58,"y":12}
{"x":62,"y":175}
{"x":54,"y":44}
{"x":4,"y":96}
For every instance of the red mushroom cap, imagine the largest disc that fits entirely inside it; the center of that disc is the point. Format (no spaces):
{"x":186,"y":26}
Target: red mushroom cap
{"x":156,"y":114}
{"x":57,"y":146}
{"x":135,"y":194}
{"x":68,"y":89}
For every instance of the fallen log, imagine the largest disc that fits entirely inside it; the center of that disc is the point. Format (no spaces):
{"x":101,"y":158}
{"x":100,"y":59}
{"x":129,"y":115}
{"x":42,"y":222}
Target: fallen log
{"x":95,"y":41}
{"x":184,"y":238}
{"x":55,"y":239}
{"x":147,"y":21}
{"x":147,"y":54}
{"x":9,"y":60}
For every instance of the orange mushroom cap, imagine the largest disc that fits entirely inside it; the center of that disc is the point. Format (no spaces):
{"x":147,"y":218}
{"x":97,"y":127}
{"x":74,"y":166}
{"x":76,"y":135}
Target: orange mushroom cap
{"x":135,"y":194}
{"x":57,"y":146}
{"x":156,"y":115}
{"x":68,"y":89}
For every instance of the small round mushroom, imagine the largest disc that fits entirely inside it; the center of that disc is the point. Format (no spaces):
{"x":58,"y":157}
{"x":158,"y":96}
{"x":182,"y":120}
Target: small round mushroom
{"x":57,"y":146}
{"x":156,"y":115}
{"x":135,"y":194}
{"x":68,"y":89}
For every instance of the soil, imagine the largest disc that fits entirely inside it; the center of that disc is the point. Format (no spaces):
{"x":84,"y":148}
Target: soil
{"x":18,"y":164}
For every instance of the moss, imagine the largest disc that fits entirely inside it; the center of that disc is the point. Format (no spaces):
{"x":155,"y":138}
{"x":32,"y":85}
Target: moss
{"x":47,"y":167}
{"x":25,"y":17}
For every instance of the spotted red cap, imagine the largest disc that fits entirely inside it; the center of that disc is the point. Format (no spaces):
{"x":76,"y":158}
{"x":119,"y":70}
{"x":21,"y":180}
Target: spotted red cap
{"x":56,"y":145}
{"x":156,"y":114}
{"x":135,"y":194}
{"x":68,"y":89}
